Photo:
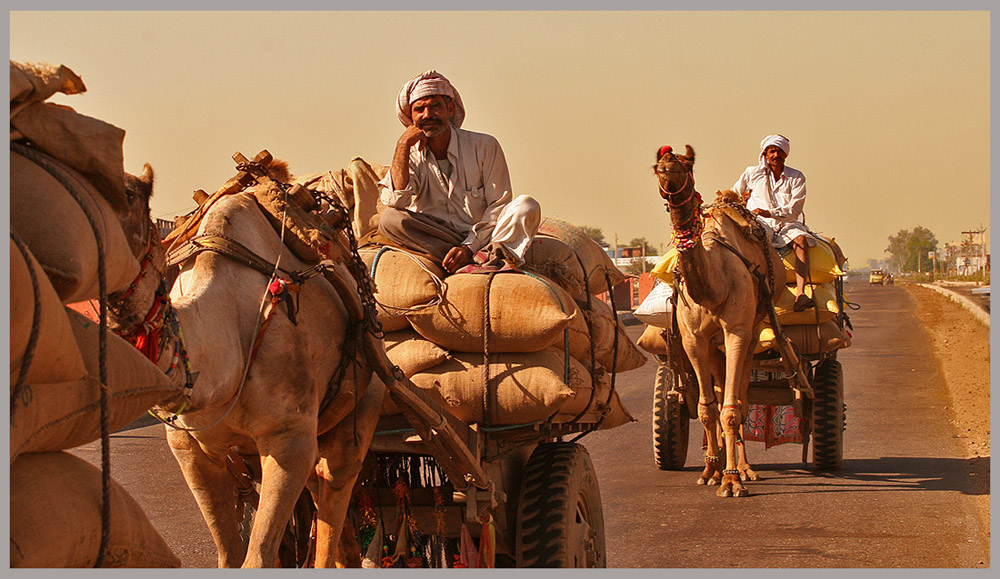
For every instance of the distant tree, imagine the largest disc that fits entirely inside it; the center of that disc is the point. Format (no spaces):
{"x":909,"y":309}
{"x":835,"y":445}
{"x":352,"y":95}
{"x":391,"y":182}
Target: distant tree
{"x":595,"y":233}
{"x":908,"y":250}
{"x":643,"y":242}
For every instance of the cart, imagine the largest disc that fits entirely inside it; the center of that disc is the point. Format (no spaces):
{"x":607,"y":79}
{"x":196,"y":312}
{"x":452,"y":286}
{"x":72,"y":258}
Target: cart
{"x":541,"y":492}
{"x":537,"y":492}
{"x":815,"y":392}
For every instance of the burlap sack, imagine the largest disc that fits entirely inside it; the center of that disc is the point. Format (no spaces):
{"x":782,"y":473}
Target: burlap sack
{"x":56,"y":229}
{"x":364,"y":176}
{"x":555,"y":260}
{"x":31,"y":82}
{"x":528,"y":386}
{"x":578,"y":337}
{"x":606,"y":327}
{"x":527,"y":313}
{"x":403,"y":281}
{"x":616,"y":416}
{"x":55,"y":356}
{"x":65,"y":415}
{"x":652,"y":341}
{"x":412,"y":352}
{"x":824,"y":264}
{"x":89,"y":146}
{"x":596,"y":262}
{"x":808,"y":338}
{"x":55,"y":518}
{"x":826,"y":305}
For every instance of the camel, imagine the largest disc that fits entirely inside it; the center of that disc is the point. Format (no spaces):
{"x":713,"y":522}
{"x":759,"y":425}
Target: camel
{"x":726,"y":278}
{"x":294,"y":394}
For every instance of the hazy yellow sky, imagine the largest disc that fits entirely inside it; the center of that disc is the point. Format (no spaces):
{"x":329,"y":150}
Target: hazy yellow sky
{"x":887,"y":112}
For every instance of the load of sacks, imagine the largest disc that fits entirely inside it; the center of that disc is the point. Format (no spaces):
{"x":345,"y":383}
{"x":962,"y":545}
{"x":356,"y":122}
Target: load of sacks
{"x":56,"y":498}
{"x":812,"y":331}
{"x":552,"y":342}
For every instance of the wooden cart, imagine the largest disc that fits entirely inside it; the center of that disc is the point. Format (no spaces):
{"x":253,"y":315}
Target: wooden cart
{"x":812,"y":384}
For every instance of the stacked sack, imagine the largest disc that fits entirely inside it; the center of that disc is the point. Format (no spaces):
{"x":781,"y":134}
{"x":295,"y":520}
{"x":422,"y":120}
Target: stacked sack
{"x":552,"y":344}
{"x":54,"y":352}
{"x":812,"y":331}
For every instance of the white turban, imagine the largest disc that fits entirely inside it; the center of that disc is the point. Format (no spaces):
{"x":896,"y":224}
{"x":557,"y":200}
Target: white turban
{"x":423,"y":85}
{"x":777,"y":140}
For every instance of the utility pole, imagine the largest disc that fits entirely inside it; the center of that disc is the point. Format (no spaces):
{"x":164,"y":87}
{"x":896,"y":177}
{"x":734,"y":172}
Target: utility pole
{"x":982,"y":247}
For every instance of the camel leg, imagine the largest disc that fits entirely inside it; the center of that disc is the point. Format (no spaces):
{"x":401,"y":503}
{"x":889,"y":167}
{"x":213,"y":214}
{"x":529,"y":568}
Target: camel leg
{"x":705,"y":366}
{"x":338,"y":468}
{"x":731,"y":415}
{"x":743,"y":465}
{"x":348,"y":549}
{"x":286,"y":459}
{"x":214,"y":489}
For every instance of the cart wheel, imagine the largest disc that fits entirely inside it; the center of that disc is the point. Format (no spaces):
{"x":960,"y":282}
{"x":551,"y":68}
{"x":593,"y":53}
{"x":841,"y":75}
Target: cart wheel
{"x":671,"y":422}
{"x":560,"y":522}
{"x":828,"y":416}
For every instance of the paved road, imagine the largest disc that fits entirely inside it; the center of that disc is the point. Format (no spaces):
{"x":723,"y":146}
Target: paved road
{"x":902,"y":500}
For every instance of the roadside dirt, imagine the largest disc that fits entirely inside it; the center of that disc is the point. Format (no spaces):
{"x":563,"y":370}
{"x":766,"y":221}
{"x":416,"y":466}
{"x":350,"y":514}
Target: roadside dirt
{"x":962,"y":348}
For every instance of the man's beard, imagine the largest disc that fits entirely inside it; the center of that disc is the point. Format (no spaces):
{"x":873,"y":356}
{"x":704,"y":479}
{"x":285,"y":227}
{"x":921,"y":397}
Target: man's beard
{"x":434,"y":128}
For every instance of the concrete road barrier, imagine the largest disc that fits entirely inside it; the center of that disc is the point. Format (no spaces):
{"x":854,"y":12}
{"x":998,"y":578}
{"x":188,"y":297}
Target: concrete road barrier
{"x":963,"y":301}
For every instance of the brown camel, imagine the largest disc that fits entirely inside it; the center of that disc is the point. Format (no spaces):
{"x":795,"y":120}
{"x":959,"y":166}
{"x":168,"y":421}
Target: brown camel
{"x":726,"y":277}
{"x":280,"y":397}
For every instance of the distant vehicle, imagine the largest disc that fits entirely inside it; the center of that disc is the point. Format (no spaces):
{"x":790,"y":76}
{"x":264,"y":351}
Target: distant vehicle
{"x":889,"y":279}
{"x":876,"y":277}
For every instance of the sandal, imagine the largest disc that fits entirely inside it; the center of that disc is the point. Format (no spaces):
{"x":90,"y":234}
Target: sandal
{"x":803,"y":302}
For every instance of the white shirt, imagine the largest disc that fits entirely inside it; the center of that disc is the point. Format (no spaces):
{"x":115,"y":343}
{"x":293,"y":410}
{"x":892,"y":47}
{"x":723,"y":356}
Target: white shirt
{"x":469,"y":198}
{"x":783,"y":197}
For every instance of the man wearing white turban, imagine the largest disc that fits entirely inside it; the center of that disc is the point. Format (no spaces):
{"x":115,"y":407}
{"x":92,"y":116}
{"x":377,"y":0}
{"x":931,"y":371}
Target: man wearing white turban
{"x":776,"y":194}
{"x":447,"y":192}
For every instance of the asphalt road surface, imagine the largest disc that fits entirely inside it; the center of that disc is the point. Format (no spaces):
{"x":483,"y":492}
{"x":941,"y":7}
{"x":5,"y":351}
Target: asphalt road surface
{"x":903,"y":498}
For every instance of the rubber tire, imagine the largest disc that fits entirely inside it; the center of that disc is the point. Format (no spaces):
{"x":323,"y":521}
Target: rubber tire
{"x":671,"y":423}
{"x":828,"y":416}
{"x":560,"y":521}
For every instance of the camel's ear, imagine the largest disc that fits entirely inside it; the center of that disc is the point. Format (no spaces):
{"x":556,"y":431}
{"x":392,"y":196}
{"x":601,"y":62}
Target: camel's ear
{"x":690,"y":153}
{"x":147,"y":174}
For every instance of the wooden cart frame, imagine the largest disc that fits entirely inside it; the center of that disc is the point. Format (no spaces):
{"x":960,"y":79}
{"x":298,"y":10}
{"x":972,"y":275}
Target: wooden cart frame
{"x":818,"y":402}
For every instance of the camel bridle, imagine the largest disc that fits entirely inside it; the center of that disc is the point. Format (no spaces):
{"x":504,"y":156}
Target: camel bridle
{"x":671,"y":194}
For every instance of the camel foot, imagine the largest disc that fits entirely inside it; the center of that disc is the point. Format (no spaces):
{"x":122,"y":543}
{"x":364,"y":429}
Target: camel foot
{"x":732,"y":490}
{"x":702,"y":480}
{"x":748,"y":474}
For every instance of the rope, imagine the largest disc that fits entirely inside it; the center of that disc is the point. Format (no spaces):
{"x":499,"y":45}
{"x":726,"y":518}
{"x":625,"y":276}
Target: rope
{"x":20,"y":388}
{"x":70,"y":181}
{"x":488,"y":409}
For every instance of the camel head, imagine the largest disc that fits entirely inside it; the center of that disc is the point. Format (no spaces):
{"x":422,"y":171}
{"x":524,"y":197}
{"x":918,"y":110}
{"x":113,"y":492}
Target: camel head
{"x":128,"y":307}
{"x":136,"y":221}
{"x":674,"y":172}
